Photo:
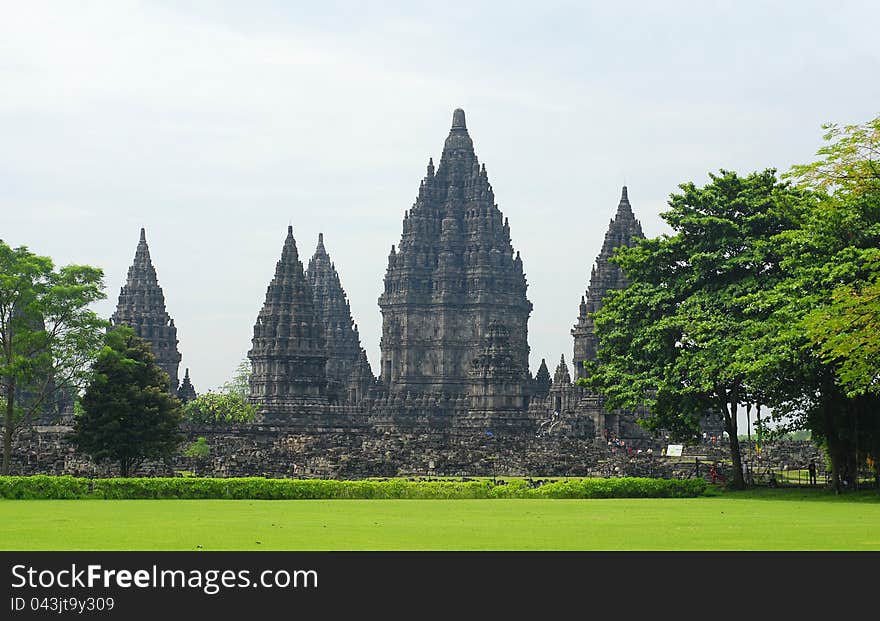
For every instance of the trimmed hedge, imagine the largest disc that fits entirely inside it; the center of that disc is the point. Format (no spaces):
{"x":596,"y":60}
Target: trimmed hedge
{"x":43,"y":487}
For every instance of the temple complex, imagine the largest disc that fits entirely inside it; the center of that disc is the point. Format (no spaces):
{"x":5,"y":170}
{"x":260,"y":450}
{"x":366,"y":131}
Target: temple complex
{"x":454,"y":381}
{"x":141,"y":306}
{"x":454,"y":344}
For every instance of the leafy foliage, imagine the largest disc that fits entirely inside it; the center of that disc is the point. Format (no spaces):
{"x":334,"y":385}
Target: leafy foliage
{"x":849,"y":163}
{"x":128,"y":413}
{"x":47,"y":487}
{"x":48,"y":336}
{"x":838,"y":251}
{"x":198,"y":449}
{"x":240,"y":383}
{"x":214,"y":409}
{"x":680,"y":338}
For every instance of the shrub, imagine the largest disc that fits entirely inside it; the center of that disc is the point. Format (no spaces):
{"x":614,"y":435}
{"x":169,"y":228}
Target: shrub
{"x":257,"y":488}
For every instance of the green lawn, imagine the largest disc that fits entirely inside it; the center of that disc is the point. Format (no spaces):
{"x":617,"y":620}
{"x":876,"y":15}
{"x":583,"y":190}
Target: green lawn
{"x":755,"y":520}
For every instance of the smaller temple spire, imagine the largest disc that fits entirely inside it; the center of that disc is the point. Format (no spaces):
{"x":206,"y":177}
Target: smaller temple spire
{"x":542,"y":379}
{"x":562,"y":377}
{"x":341,"y":337}
{"x":186,"y":392}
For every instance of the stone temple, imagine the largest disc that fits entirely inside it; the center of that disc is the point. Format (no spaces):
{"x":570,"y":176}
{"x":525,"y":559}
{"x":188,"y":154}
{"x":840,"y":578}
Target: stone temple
{"x":345,"y":356}
{"x":289,"y":353}
{"x":453,"y":274}
{"x":141,"y":306}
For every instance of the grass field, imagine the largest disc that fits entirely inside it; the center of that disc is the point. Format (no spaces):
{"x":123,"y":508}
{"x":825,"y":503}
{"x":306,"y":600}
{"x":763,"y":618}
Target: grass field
{"x":756,"y":520}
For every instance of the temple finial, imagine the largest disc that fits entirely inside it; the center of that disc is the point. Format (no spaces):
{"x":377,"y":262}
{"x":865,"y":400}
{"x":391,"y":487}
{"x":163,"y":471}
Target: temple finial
{"x":290,"y":230}
{"x":624,"y":198}
{"x":143,"y":234}
{"x":458,"y":119}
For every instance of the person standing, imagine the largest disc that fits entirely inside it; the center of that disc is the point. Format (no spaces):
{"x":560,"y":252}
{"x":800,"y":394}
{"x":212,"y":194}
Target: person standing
{"x":811,"y":468}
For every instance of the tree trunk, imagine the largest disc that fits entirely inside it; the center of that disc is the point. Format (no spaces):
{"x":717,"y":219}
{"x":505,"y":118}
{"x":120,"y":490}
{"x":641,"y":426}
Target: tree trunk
{"x":749,"y":461}
{"x":735,"y":455}
{"x":7,"y":449}
{"x":8,"y":427}
{"x":123,"y":467}
{"x":832,"y":443}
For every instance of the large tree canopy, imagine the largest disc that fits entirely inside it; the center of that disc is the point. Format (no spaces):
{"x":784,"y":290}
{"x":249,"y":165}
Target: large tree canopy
{"x":48,"y":335}
{"x":827,"y":308}
{"x":839,"y":250}
{"x":224,"y":408}
{"x":128,"y":413}
{"x":679,"y":338}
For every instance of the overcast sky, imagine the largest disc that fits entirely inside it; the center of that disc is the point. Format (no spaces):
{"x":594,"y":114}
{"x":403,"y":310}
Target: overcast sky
{"x":216,"y":124}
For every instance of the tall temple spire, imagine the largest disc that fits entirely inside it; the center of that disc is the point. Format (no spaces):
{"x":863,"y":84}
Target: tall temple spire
{"x":288,"y":356}
{"x":141,"y":306}
{"x":454,"y":272}
{"x":341,"y":337}
{"x":624,"y":230}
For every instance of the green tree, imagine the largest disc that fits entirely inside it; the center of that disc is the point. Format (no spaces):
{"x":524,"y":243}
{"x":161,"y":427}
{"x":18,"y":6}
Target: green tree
{"x":198,"y":449}
{"x":240,"y":382}
{"x":841,"y":243}
{"x":128,"y":413}
{"x":826,"y":340}
{"x":849,"y":163}
{"x":48,"y":336}
{"x":679,"y":338}
{"x":222,"y":408}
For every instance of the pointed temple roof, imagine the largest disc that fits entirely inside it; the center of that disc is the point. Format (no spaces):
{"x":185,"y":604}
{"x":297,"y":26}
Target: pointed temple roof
{"x":453,"y":271}
{"x":561,"y":377}
{"x":288,"y":355}
{"x":342,"y":341}
{"x":542,"y":379}
{"x":623,"y":230}
{"x":141,"y":306}
{"x":186,"y":392}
